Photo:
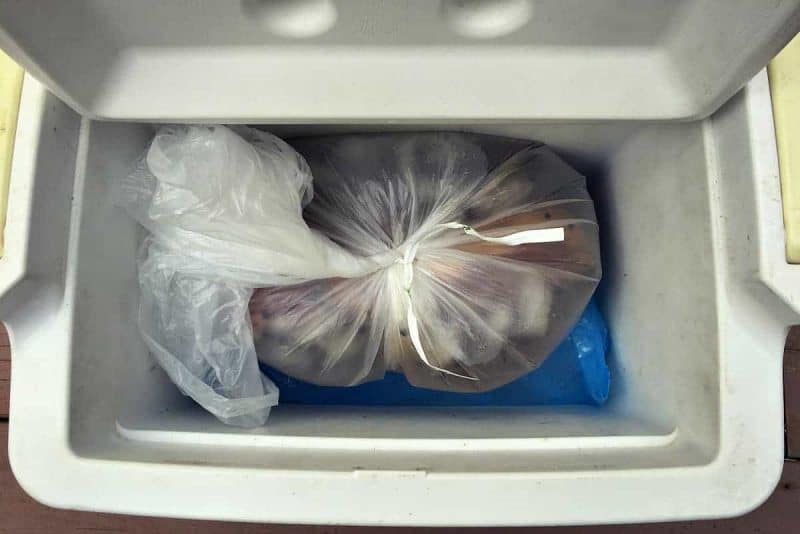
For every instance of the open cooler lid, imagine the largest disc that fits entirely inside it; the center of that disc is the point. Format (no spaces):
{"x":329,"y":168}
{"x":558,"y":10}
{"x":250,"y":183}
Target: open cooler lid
{"x":330,"y":60}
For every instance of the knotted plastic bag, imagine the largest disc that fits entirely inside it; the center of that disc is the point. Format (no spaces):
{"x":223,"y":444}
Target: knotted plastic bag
{"x":461,"y":260}
{"x":488,"y":250}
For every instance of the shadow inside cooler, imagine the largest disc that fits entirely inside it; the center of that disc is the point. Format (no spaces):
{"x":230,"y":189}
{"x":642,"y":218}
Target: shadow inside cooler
{"x":649,"y":183}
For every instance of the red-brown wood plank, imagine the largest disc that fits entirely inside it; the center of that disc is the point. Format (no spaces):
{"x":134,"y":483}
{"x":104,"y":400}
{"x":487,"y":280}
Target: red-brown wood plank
{"x":5,"y":372}
{"x":3,"y":336}
{"x":5,"y":386}
{"x":791,"y":392}
{"x":793,"y":339}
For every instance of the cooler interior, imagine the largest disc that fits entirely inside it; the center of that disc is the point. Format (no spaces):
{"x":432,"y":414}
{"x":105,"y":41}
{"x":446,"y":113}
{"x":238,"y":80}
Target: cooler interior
{"x":651,"y":185}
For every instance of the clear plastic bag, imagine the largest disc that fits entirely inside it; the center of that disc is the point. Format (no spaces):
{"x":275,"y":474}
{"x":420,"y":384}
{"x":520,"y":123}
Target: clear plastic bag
{"x":224,"y":213}
{"x":475,"y":289}
{"x":461,"y":260}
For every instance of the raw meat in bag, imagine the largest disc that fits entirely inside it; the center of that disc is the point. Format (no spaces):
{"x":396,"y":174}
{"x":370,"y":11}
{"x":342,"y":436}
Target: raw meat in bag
{"x":488,"y":250}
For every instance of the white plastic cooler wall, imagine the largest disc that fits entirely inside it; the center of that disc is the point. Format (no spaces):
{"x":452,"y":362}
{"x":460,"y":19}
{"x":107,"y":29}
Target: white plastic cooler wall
{"x":695,"y":290}
{"x":362,"y":59}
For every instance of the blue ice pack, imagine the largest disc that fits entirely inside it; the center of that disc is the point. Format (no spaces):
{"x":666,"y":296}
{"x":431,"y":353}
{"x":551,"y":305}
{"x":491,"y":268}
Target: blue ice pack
{"x":575,"y":373}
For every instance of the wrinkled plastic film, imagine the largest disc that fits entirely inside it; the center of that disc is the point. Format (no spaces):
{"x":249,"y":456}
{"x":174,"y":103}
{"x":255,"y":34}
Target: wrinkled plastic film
{"x":234,"y":206}
{"x":199,"y":332}
{"x":224,"y":210}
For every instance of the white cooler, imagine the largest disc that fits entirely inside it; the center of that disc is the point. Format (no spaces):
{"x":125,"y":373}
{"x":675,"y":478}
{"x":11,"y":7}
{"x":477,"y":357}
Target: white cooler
{"x":643,"y":97}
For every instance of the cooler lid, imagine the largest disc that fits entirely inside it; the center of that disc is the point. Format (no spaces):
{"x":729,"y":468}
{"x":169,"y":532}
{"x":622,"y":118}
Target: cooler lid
{"x":333,"y":60}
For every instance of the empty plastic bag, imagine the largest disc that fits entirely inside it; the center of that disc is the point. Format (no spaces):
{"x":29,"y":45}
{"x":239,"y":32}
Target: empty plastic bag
{"x":224,"y":213}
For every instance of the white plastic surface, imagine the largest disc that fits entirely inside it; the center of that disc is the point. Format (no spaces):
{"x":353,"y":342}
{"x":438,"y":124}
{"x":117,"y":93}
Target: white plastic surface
{"x":329,"y":60}
{"x":693,"y":428}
